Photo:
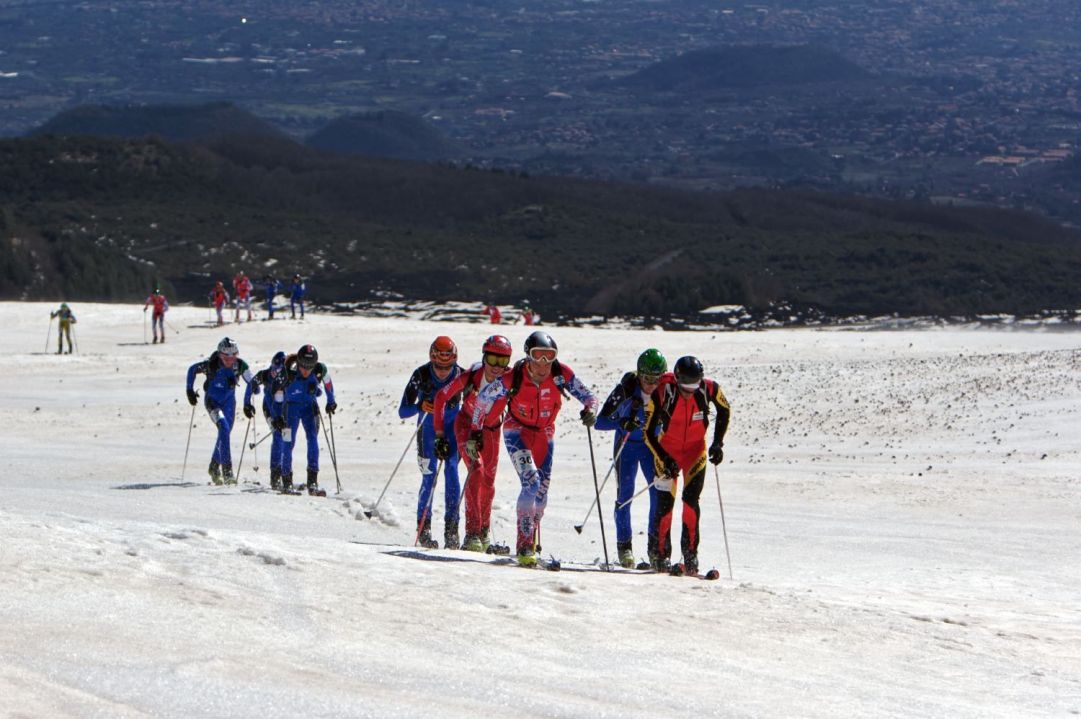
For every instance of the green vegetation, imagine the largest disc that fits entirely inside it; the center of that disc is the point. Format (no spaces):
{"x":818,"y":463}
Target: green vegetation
{"x":385,"y":134}
{"x":105,"y":217}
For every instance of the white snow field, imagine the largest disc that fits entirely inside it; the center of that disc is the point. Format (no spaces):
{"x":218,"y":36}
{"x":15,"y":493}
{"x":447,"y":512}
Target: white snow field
{"x":903,"y":511}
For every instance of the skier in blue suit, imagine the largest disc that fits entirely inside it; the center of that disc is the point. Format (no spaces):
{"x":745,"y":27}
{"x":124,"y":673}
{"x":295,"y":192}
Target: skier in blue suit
{"x":273,"y":380}
{"x":305,"y":378}
{"x":223,"y":369}
{"x":273,"y":287}
{"x":624,"y":411}
{"x":296,"y":297}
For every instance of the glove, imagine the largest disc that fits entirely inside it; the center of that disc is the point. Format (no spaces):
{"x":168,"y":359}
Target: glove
{"x":249,"y":410}
{"x":588,"y":418}
{"x":278,"y":423}
{"x":426,"y":406}
{"x":671,"y":468}
{"x":193,"y":397}
{"x":442,"y":448}
{"x":475,"y":444}
{"x":630,"y":424}
{"x":332,"y":407}
{"x":716,"y":453}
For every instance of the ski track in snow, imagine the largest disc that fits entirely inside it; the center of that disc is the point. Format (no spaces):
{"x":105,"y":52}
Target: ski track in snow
{"x":903,"y":510}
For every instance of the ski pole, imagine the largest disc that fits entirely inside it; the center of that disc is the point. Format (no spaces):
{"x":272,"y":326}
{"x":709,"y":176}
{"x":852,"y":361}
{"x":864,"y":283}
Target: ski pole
{"x":643,"y":489}
{"x":144,"y":325}
{"x":332,"y":450}
{"x":174,"y":329}
{"x":243,"y":446}
{"x":431,"y":500}
{"x":191,"y":423}
{"x":255,"y":456}
{"x":724,"y":528}
{"x":253,"y":445}
{"x":74,"y":337}
{"x":369,"y":512}
{"x":597,"y":490}
{"x":615,"y":459}
{"x":49,"y":333}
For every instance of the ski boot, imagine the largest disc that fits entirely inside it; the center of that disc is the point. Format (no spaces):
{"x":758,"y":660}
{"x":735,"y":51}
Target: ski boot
{"x":276,"y":478}
{"x":287,"y":483}
{"x":215,"y":472}
{"x":227,"y":474}
{"x":424,"y":535}
{"x":472,"y":543}
{"x":526,"y":558}
{"x":155,"y":339}
{"x":313,"y":484}
{"x":450,"y":535}
{"x":626,"y":554}
{"x":690,"y":563}
{"x":485,"y":540}
{"x":661,"y":564}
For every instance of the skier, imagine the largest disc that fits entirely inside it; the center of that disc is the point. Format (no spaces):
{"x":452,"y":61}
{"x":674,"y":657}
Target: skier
{"x":296,"y":296}
{"x":222,"y":369}
{"x":272,"y":379}
{"x":219,"y":298}
{"x":480,"y":477}
{"x":157,"y":317}
{"x":419,"y":399}
{"x":67,"y":319}
{"x":624,"y":411}
{"x":534,"y":394}
{"x":242,"y":287}
{"x":677,"y":418}
{"x":273,"y":287}
{"x":527,"y":315}
{"x":301,"y":381}
{"x":493,"y":313}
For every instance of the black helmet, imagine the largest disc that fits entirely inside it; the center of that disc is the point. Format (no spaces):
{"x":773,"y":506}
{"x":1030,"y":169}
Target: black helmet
{"x":688,"y":370}
{"x":540,"y":339}
{"x":228,"y":347}
{"x":278,"y":359}
{"x":307,"y":357}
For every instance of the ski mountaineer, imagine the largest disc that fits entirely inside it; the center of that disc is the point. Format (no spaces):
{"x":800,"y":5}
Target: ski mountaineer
{"x":296,"y":297}
{"x":624,"y":411}
{"x":219,"y":298}
{"x":480,"y":478}
{"x":273,"y":287}
{"x":223,"y":369}
{"x":677,"y":418}
{"x":243,"y":288}
{"x":157,"y":317}
{"x":272,"y":379}
{"x":303,"y":375}
{"x":67,"y":319}
{"x":419,"y":399}
{"x":493,"y":313}
{"x":528,"y":317}
{"x":533,"y":392}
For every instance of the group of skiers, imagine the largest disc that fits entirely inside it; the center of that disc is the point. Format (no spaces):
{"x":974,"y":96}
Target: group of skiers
{"x":242,"y":292}
{"x":660,"y":419}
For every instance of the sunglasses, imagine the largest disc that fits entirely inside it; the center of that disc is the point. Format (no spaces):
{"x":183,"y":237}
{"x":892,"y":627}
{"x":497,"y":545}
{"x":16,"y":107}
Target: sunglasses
{"x":496,"y":360}
{"x":444,"y":354}
{"x":542,"y":355}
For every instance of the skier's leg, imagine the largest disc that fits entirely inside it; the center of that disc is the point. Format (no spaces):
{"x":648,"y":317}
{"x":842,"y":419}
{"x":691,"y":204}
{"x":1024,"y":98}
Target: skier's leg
{"x":692,"y":490}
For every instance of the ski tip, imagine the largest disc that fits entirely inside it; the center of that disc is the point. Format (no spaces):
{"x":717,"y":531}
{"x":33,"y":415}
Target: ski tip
{"x":712,"y":574}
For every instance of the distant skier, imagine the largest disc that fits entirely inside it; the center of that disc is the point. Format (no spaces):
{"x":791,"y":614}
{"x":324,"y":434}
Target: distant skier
{"x":223,"y":369}
{"x":296,"y":297}
{"x":273,"y":287}
{"x":480,"y":477}
{"x":493,"y":313}
{"x":534,"y":394}
{"x":67,"y":319}
{"x":677,"y":418}
{"x":157,"y":317}
{"x":304,"y":380}
{"x":419,"y":399}
{"x":219,"y":298}
{"x":243,"y":288}
{"x":624,"y":411}
{"x":528,"y":317}
{"x":272,"y":380}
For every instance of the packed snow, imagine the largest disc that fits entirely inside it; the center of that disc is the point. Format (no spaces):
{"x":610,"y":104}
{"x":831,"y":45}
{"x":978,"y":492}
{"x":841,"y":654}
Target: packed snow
{"x":903,"y":513}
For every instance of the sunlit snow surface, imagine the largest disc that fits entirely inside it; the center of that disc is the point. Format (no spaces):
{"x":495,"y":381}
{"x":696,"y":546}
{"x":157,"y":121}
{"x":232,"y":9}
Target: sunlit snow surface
{"x":903,"y":510}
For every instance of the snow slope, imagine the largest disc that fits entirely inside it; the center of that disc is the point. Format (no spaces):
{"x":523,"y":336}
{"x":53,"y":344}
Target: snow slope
{"x":903,"y":511}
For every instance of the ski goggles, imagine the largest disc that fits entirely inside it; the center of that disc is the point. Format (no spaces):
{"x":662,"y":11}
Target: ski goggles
{"x":445,"y":355}
{"x":544,"y":355}
{"x":690,"y":387}
{"x":650,"y":378}
{"x":497,"y":360}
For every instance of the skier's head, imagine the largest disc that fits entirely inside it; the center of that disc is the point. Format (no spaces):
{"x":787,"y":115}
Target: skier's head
{"x":307,"y":358}
{"x":63,"y":305}
{"x":218,"y":285}
{"x":443,"y":353}
{"x":157,"y":290}
{"x":278,"y":359}
{"x":228,"y":351}
{"x":689,"y":373}
{"x":541,"y":350}
{"x":651,"y":365}
{"x":497,"y":352}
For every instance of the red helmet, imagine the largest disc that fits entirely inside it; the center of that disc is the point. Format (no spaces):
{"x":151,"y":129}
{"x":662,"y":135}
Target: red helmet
{"x":498,"y":345}
{"x":443,"y":353}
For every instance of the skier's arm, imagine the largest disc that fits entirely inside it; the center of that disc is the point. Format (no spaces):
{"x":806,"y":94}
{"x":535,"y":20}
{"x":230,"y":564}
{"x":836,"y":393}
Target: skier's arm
{"x":613,"y":409}
{"x":724,"y":413}
{"x":197,"y":368}
{"x":410,"y":405}
{"x":487,"y":399}
{"x":653,"y":437}
{"x":581,"y":393}
{"x":328,"y":385}
{"x":442,"y":397}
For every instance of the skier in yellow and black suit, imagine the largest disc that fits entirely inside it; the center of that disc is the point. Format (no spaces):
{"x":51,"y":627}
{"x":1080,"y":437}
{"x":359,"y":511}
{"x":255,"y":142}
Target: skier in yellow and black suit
{"x":677,"y":418}
{"x":67,"y":319}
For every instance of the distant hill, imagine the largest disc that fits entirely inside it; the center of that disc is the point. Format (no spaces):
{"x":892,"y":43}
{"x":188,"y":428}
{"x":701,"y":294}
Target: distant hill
{"x":172,"y":122}
{"x":94,"y":218}
{"x":742,"y":67}
{"x":386,"y":133}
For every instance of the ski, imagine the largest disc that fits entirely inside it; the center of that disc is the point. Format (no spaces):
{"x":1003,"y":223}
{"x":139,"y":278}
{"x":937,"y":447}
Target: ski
{"x":678,"y":570}
{"x":497,"y":548}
